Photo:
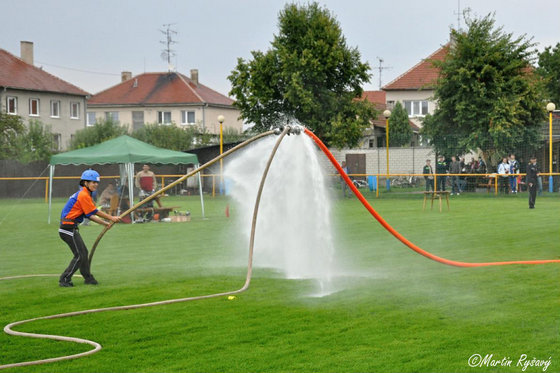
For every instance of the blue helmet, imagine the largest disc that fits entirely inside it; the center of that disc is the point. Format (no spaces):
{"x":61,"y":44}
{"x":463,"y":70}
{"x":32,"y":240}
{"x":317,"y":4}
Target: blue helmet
{"x":90,"y":175}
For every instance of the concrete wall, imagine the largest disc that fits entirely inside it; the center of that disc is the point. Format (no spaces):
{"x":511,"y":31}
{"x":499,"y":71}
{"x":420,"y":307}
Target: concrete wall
{"x":401,"y":160}
{"x":64,"y":125}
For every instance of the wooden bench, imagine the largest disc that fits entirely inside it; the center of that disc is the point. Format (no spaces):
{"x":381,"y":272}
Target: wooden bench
{"x":437,"y":194}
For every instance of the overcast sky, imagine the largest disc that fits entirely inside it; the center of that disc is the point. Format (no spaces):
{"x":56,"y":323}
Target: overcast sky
{"x":88,"y":43}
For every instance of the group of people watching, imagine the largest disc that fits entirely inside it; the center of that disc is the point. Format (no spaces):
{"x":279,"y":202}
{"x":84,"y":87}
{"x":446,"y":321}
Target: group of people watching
{"x":509,"y":170}
{"x":451,"y":169}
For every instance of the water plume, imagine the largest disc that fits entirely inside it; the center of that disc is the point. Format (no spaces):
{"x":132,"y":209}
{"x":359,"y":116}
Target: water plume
{"x":294,"y":230}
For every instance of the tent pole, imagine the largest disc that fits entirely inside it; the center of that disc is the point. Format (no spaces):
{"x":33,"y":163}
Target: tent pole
{"x":130,"y":167}
{"x":51,"y":174}
{"x":200,"y":190}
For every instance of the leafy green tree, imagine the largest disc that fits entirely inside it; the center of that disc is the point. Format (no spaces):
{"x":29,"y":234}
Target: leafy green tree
{"x":11,"y":128}
{"x":310,"y":75}
{"x":96,"y":134}
{"x":488,"y":97}
{"x":37,"y":143}
{"x":24,"y":143}
{"x":549,"y":70}
{"x":400,"y":132}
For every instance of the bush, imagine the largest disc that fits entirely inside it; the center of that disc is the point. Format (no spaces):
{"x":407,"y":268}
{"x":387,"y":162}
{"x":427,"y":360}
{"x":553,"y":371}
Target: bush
{"x":98,"y":133}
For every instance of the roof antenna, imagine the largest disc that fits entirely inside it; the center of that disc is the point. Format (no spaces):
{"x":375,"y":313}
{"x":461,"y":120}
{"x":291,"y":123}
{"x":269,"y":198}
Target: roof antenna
{"x":167,"y":53}
{"x":381,"y":68}
{"x":458,"y":14}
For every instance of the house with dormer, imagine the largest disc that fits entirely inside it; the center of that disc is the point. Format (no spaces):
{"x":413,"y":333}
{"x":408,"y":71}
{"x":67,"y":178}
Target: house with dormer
{"x":165,"y":98}
{"x":414,"y":89}
{"x":34,"y":94}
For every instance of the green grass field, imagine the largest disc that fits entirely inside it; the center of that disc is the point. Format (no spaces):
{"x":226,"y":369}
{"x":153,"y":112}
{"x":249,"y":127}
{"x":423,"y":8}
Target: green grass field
{"x":396,"y":311}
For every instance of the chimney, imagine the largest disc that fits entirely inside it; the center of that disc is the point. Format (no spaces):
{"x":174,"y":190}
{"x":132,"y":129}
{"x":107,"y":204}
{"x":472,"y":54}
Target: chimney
{"x":194,"y":76}
{"x":126,"y":75}
{"x":26,"y":48}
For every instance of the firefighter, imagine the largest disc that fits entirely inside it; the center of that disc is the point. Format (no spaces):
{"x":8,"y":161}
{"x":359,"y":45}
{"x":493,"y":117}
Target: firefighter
{"x":79,"y":206}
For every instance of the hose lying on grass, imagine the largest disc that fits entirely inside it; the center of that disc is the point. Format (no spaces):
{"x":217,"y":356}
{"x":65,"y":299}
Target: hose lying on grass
{"x":96,"y":346}
{"x":399,"y":236}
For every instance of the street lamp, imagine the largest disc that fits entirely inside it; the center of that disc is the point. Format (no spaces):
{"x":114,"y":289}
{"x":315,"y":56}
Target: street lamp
{"x":221,"y":121}
{"x":550,"y":107}
{"x":387,"y":114}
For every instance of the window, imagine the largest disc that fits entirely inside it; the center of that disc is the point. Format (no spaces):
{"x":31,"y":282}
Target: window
{"x":416,"y":108}
{"x":187,"y":117}
{"x":137,"y":120}
{"x":112,"y":116}
{"x":90,"y":118}
{"x":34,"y":107}
{"x":55,"y":109}
{"x":57,"y":141}
{"x":11,"y":105}
{"x":75,"y":110}
{"x":164,"y":117}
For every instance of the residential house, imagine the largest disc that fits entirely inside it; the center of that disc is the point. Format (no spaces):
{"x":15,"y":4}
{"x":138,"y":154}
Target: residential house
{"x":166,"y":98}
{"x":374,"y":137}
{"x":415,"y":88}
{"x":34,"y":94}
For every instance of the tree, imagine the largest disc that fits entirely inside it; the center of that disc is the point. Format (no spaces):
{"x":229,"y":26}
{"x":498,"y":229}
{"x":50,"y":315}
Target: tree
{"x":37,"y":143}
{"x":549,"y":70}
{"x":24,"y":143}
{"x":96,"y":134}
{"x":170,"y":137}
{"x":310,"y":75}
{"x":400,"y":132}
{"x":488,"y":96}
{"x":11,"y":128}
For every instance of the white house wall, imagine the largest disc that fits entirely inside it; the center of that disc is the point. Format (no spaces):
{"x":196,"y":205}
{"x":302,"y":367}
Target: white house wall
{"x":412,"y":95}
{"x":204,"y":116}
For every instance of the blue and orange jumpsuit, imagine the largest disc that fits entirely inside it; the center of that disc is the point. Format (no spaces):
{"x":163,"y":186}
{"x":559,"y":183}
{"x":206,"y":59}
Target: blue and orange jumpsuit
{"x":79,"y":205}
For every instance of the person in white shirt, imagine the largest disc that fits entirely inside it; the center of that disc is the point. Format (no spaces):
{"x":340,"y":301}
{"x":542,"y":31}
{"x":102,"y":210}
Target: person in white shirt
{"x":513,"y":170}
{"x":503,"y":171}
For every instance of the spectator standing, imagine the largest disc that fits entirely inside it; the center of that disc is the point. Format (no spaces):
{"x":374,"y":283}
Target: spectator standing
{"x":146,"y":181}
{"x":503,"y":171}
{"x":532,"y":181}
{"x":513,"y":170}
{"x":441,"y":171}
{"x":455,"y":170}
{"x":428,"y":172}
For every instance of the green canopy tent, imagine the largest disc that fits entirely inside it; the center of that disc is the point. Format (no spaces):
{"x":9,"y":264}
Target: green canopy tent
{"x":125,"y":151}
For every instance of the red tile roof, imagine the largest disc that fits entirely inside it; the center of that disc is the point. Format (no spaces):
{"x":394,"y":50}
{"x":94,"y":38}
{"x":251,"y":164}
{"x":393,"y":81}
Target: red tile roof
{"x":14,"y":73}
{"x":375,"y":97}
{"x":421,"y":76}
{"x":158,"y":89}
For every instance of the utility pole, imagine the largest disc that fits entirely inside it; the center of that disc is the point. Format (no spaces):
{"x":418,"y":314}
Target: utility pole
{"x":381,"y":68}
{"x":167,"y":53}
